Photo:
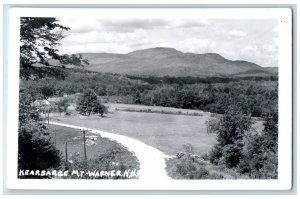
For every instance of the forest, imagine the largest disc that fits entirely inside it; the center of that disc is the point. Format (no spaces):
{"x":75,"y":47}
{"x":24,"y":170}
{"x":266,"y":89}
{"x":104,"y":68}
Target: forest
{"x":255,"y":96}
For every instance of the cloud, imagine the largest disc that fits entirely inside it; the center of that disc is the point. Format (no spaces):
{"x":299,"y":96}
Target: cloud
{"x":100,"y":37}
{"x":127,"y":25}
{"x":130,"y":25}
{"x":98,"y":47}
{"x":251,"y":40}
{"x":196,"y":45}
{"x":237,"y":33}
{"x":190,"y":23}
{"x":270,"y":48}
{"x":81,"y":25}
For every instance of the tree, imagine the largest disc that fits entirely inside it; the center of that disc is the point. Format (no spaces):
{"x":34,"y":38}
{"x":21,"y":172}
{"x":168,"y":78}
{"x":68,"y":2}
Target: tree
{"x":231,"y":129}
{"x":36,"y":152}
{"x":40,"y":38}
{"x":27,"y":112}
{"x":100,"y":108}
{"x":39,"y":41}
{"x":88,"y":103}
{"x":261,"y":154}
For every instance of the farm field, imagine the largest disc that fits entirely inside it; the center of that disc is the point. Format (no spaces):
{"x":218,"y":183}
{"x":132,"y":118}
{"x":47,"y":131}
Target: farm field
{"x":95,"y":145}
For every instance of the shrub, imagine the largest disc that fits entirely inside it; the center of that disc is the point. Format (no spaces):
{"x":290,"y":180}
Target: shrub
{"x":187,"y":165}
{"x":100,"y":109}
{"x":62,"y":105}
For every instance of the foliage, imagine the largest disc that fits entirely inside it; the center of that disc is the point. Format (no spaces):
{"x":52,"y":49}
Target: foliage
{"x":27,"y":112}
{"x":100,"y":109}
{"x":35,"y":149}
{"x":253,"y":154}
{"x":88,"y":103}
{"x":253,"y":97}
{"x":62,"y":105}
{"x":231,"y":129}
{"x":190,"y":166}
{"x":40,"y":39}
{"x":261,"y":153}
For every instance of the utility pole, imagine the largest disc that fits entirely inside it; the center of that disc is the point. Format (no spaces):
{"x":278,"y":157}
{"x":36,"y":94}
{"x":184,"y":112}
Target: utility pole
{"x":55,"y":136}
{"x":48,"y":115}
{"x":84,"y":143}
{"x":66,"y":152}
{"x":84,"y":147}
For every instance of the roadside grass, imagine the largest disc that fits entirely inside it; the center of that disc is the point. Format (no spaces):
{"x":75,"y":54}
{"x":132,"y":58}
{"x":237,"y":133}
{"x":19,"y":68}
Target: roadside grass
{"x":188,"y":165}
{"x":188,"y":168}
{"x":102,"y":153}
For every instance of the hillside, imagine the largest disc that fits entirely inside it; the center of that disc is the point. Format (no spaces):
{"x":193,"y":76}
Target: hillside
{"x":168,"y":61}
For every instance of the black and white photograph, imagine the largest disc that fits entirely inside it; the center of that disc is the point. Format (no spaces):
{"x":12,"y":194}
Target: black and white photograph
{"x":158,"y":95}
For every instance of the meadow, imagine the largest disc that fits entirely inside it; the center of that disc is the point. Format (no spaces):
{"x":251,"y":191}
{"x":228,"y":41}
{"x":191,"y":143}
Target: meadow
{"x":166,"y":132}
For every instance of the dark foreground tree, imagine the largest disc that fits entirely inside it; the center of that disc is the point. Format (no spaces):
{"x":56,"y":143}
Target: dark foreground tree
{"x":88,"y":103}
{"x":35,"y":149}
{"x":39,"y":57}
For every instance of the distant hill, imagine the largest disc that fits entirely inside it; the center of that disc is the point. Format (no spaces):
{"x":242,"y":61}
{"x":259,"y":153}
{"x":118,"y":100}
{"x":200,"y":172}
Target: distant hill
{"x":273,"y":70}
{"x":162,"y":61}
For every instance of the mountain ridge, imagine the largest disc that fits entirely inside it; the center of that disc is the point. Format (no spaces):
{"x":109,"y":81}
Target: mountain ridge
{"x":162,"y":61}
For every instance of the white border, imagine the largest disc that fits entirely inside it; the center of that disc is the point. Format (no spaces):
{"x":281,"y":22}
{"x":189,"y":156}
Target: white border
{"x":285,"y":102}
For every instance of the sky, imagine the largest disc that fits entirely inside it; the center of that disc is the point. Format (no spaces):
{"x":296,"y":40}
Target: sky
{"x":254,"y":40}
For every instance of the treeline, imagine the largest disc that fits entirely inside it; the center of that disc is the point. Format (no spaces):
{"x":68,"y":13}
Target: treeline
{"x":253,"y":97}
{"x":194,"y":80}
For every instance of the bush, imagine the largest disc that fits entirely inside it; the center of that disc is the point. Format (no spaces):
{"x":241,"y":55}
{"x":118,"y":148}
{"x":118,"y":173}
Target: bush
{"x":62,"y":105}
{"x":100,"y":109}
{"x":187,"y":165}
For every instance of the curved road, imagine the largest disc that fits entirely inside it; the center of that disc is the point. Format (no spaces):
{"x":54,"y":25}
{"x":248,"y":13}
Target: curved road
{"x":152,"y":161}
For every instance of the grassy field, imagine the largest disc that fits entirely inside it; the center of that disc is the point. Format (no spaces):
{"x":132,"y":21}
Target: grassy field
{"x":166,"y":132}
{"x":95,"y":146}
{"x":154,"y":109}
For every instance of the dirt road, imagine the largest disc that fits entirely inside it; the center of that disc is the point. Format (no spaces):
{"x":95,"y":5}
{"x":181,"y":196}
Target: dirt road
{"x":152,"y":161}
